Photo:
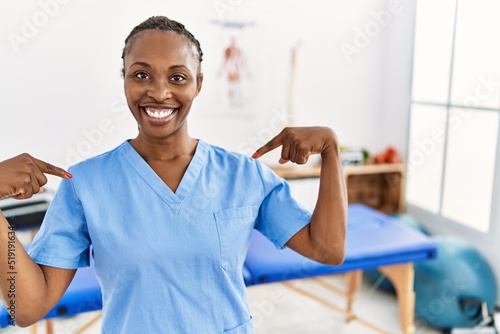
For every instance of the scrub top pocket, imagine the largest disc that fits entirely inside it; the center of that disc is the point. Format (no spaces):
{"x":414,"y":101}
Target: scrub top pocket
{"x":246,"y":328}
{"x":234,"y":227}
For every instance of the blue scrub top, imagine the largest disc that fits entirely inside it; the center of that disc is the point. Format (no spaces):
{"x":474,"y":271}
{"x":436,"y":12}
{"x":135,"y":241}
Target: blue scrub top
{"x":168,"y":262}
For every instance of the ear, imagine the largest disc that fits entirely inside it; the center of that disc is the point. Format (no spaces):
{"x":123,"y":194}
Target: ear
{"x":199,"y":82}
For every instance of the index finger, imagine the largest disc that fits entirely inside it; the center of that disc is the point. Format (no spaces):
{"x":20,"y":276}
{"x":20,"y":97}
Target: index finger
{"x":271,"y":145}
{"x":47,"y":168}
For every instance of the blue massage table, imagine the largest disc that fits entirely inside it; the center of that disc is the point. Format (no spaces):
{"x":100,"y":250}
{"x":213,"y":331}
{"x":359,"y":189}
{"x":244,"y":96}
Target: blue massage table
{"x":374,"y":240}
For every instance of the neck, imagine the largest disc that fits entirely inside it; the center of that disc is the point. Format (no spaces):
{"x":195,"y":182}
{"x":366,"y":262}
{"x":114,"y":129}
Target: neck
{"x":164,"y":149}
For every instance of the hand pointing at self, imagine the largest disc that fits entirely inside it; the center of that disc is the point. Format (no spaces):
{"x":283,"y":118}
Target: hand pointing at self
{"x":24,"y":175}
{"x":298,"y":143}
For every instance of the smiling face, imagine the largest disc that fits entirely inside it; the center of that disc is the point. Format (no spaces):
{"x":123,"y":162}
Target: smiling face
{"x":161,"y":79}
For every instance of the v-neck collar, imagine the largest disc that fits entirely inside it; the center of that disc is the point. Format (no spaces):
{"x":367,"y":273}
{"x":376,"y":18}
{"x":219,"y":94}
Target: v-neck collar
{"x":173,"y":200}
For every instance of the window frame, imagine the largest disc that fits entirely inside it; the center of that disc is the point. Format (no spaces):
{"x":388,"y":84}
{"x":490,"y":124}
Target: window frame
{"x":441,"y":224}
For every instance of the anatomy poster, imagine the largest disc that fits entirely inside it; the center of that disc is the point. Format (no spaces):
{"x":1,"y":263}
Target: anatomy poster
{"x":234,"y":70}
{"x":230,"y":67}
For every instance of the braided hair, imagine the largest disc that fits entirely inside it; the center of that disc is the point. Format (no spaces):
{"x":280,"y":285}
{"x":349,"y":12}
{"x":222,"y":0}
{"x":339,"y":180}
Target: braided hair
{"x":166,"y":24}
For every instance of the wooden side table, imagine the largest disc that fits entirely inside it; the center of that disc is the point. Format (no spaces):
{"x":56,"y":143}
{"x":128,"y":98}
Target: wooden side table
{"x":379,"y":186}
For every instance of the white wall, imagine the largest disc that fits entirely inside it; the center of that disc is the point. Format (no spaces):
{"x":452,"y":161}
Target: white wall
{"x":62,"y":97}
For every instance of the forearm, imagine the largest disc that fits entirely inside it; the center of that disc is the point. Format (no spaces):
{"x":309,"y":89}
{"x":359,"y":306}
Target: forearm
{"x":22,"y":281}
{"x":329,"y":220}
{"x":323,"y":239}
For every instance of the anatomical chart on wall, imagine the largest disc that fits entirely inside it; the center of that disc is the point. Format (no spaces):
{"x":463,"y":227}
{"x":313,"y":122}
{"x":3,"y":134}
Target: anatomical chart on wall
{"x":230,"y":67}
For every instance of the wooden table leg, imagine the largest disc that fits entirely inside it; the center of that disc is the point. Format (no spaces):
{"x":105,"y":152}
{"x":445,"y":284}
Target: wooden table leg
{"x":401,"y":276}
{"x":89,"y":323}
{"x":348,"y":314}
{"x":353,"y":281}
{"x":49,"y":326}
{"x":34,"y":328}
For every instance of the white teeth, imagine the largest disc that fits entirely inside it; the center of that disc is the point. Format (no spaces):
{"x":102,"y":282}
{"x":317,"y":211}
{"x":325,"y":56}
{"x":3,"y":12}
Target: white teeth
{"x":162,"y":114}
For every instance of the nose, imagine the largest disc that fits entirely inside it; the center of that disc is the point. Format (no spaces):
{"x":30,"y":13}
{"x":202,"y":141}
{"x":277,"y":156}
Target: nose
{"x":160,"y":91}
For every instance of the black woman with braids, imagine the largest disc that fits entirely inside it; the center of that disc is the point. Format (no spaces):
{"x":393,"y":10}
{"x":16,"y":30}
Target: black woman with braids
{"x":169,"y":217}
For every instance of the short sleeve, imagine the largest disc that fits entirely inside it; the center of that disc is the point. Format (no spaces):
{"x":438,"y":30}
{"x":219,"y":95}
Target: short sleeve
{"x":63,"y":240}
{"x":280,"y":215}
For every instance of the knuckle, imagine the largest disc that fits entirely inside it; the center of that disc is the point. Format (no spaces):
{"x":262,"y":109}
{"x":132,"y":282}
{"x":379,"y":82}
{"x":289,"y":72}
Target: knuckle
{"x":293,"y":136}
{"x":25,"y":156}
{"x":285,"y":132}
{"x":25,"y":179}
{"x":25,"y":196}
{"x":302,"y":148}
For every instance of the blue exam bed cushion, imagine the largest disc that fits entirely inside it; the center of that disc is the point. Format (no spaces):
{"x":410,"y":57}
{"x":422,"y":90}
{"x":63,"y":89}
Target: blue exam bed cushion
{"x":373,"y":240}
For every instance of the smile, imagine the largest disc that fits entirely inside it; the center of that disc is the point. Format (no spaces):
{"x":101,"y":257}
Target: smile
{"x":159,"y":113}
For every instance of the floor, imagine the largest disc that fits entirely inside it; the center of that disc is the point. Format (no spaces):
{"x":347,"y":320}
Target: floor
{"x":278,"y":310}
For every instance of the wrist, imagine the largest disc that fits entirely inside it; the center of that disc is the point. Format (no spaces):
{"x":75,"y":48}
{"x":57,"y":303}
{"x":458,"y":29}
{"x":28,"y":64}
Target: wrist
{"x":331,"y":144}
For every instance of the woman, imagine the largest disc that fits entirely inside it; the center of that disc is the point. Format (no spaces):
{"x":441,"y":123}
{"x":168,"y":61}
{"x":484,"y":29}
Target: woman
{"x":168,"y":216}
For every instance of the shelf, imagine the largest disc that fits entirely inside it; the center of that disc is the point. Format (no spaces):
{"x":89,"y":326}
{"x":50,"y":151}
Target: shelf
{"x":379,"y":186}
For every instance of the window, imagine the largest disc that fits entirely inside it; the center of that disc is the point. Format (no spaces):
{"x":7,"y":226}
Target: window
{"x":455,"y":107}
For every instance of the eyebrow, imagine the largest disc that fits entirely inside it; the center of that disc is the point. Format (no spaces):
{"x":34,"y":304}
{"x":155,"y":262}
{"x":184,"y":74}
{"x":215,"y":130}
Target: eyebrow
{"x":173,"y":67}
{"x":141,"y":63}
{"x":177,"y":67}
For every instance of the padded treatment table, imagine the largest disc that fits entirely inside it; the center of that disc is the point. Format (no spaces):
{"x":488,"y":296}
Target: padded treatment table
{"x":374,"y":240}
{"x":83,"y":295}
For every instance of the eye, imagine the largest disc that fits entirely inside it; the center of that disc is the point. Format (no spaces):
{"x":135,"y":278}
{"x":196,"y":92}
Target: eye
{"x":178,"y":78}
{"x":141,"y":75}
